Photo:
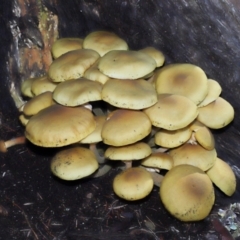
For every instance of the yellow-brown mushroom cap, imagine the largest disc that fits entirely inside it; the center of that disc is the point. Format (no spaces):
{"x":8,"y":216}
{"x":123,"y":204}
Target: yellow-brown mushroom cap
{"x":217,"y":114}
{"x":64,"y":45}
{"x":76,"y":92}
{"x":37,"y":103}
{"x":74,"y":163}
{"x":223,"y":177}
{"x":122,"y":64}
{"x":183,"y":79}
{"x":129,"y":94}
{"x":171,"y":139}
{"x":133,"y":151}
{"x":72,"y":65}
{"x":125,"y":127}
{"x":58,"y":126}
{"x":187,"y":193}
{"x":195,"y":155}
{"x":133,"y":184}
{"x":159,"y":160}
{"x":103,"y":42}
{"x":172,"y":112}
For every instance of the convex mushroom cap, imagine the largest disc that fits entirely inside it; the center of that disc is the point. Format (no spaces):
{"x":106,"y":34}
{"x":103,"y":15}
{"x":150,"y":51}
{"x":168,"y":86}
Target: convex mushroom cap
{"x":172,"y":112}
{"x":223,"y":177}
{"x":187,"y":193}
{"x":133,"y":184}
{"x":217,"y":114}
{"x":183,"y":79}
{"x":129,"y":94}
{"x":122,"y":64}
{"x":64,"y":45}
{"x":57,"y":126}
{"x":76,"y":92}
{"x":195,"y":155}
{"x":72,"y":65}
{"x":74,"y":163}
{"x":125,"y":127}
{"x":103,"y":42}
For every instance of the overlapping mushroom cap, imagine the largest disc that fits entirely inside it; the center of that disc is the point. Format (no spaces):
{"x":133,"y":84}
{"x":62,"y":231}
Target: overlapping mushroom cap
{"x":58,"y":126}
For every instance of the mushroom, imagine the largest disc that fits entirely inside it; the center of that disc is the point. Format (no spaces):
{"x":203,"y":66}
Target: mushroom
{"x":187,"y":193}
{"x":74,"y":163}
{"x":182,"y":79}
{"x":172,"y":112}
{"x":195,"y":155}
{"x":103,"y":42}
{"x":223,"y":177}
{"x":122,"y":64}
{"x":64,"y":45}
{"x":155,"y":54}
{"x":125,"y":127}
{"x":214,"y":90}
{"x":57,"y":126}
{"x":172,"y":139}
{"x":77,"y":92}
{"x":72,"y":65}
{"x":129,"y":94}
{"x":26,"y":85}
{"x":217,"y":114}
{"x":133,"y":184}
{"x":4,"y":145}
{"x":128,"y":153}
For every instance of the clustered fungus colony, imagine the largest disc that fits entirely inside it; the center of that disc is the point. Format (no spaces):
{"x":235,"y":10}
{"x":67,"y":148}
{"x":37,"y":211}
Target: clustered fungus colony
{"x":97,"y":91}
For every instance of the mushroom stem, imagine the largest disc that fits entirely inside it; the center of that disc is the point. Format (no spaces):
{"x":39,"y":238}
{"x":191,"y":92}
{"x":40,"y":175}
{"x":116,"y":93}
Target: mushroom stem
{"x":5,"y":145}
{"x":157,"y":178}
{"x":192,"y":139}
{"x":161,"y":149}
{"x":102,"y":171}
{"x":93,"y":148}
{"x":128,"y":164}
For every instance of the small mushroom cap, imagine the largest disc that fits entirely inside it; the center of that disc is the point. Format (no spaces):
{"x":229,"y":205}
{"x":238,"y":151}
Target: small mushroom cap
{"x":217,"y":114}
{"x":37,"y":103}
{"x":223,"y":177}
{"x":42,"y":84}
{"x":133,"y":151}
{"x":155,"y":54}
{"x":133,"y":184}
{"x":195,"y":155}
{"x":172,"y":112}
{"x":57,"y":126}
{"x":94,"y":74}
{"x":125,"y":127}
{"x":205,"y":138}
{"x":76,"y":92}
{"x":72,"y":65}
{"x":24,"y":119}
{"x":26,"y":85}
{"x":64,"y":45}
{"x":122,"y":64}
{"x":74,"y":163}
{"x":214,"y":91}
{"x":183,"y":79}
{"x":158,"y":160}
{"x":171,"y":139}
{"x":129,"y":94}
{"x":103,"y":42}
{"x":187,"y":193}
{"x":95,"y":136}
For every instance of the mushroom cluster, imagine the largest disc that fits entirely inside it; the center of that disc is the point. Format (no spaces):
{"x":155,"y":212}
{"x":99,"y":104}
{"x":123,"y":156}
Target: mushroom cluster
{"x":149,"y":115}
